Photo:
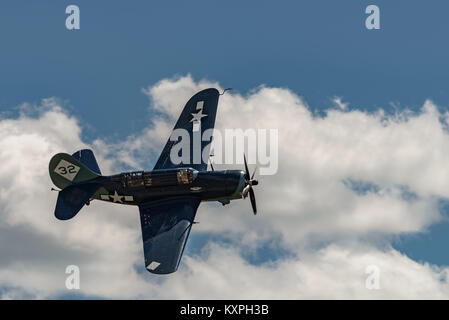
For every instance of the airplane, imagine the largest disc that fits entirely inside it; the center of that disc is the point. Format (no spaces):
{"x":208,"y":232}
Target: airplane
{"x":167,"y":196}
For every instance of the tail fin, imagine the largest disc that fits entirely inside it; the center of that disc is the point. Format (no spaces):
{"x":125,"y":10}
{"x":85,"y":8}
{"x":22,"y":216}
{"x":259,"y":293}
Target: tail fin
{"x":66,"y":170}
{"x":75,"y":176}
{"x":86,"y":157}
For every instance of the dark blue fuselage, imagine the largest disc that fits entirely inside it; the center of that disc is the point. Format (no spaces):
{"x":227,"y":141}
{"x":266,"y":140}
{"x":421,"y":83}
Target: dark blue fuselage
{"x":139,"y":187}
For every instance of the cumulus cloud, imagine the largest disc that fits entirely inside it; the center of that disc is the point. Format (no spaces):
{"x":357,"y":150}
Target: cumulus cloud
{"x":334,"y":272}
{"x":347,"y":182}
{"x":310,"y":195}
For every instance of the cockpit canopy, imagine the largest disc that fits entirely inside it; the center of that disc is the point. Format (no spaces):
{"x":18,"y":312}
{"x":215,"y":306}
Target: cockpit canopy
{"x":159,"y":177}
{"x":186,"y":175}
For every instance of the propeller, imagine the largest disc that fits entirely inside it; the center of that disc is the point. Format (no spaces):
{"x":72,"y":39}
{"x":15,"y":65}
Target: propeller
{"x":250,"y":182}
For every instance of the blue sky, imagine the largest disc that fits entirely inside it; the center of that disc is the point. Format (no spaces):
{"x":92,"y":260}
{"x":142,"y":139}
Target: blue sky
{"x":317,"y":49}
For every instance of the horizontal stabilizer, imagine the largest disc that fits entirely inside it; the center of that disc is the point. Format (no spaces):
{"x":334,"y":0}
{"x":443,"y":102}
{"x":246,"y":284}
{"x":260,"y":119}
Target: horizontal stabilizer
{"x":73,"y":198}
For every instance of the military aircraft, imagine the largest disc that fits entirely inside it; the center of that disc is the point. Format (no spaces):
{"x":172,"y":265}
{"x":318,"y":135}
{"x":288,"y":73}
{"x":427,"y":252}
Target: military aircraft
{"x":168,"y":196}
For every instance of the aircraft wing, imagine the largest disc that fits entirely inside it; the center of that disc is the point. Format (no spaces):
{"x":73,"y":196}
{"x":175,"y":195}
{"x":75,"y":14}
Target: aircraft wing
{"x":197,"y":116}
{"x":166,"y":226}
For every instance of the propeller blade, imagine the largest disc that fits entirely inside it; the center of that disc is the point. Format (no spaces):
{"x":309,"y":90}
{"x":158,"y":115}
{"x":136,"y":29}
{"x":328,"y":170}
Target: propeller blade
{"x":246,"y":169}
{"x":252,"y":177}
{"x":253,"y":200}
{"x":249,"y":183}
{"x":245,"y":191}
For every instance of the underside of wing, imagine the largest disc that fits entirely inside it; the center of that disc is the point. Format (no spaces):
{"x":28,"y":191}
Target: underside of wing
{"x":166,"y":226}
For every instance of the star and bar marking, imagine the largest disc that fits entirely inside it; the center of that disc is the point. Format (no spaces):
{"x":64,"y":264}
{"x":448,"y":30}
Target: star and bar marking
{"x":116,"y":197}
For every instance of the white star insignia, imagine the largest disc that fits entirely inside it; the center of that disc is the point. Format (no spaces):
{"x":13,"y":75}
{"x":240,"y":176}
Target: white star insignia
{"x":116,"y":197}
{"x":198,"y":116}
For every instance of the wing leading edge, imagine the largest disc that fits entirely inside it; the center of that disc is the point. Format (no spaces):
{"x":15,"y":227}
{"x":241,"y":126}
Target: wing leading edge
{"x":166,"y":226}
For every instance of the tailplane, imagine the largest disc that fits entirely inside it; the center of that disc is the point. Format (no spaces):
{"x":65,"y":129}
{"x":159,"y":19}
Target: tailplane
{"x":73,"y":198}
{"x":75,"y":175}
{"x":66,"y":170}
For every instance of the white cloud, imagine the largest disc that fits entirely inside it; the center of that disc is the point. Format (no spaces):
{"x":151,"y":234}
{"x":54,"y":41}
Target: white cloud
{"x":334,"y":272}
{"x":339,"y":103}
{"x":347,"y":178}
{"x":316,"y":156}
